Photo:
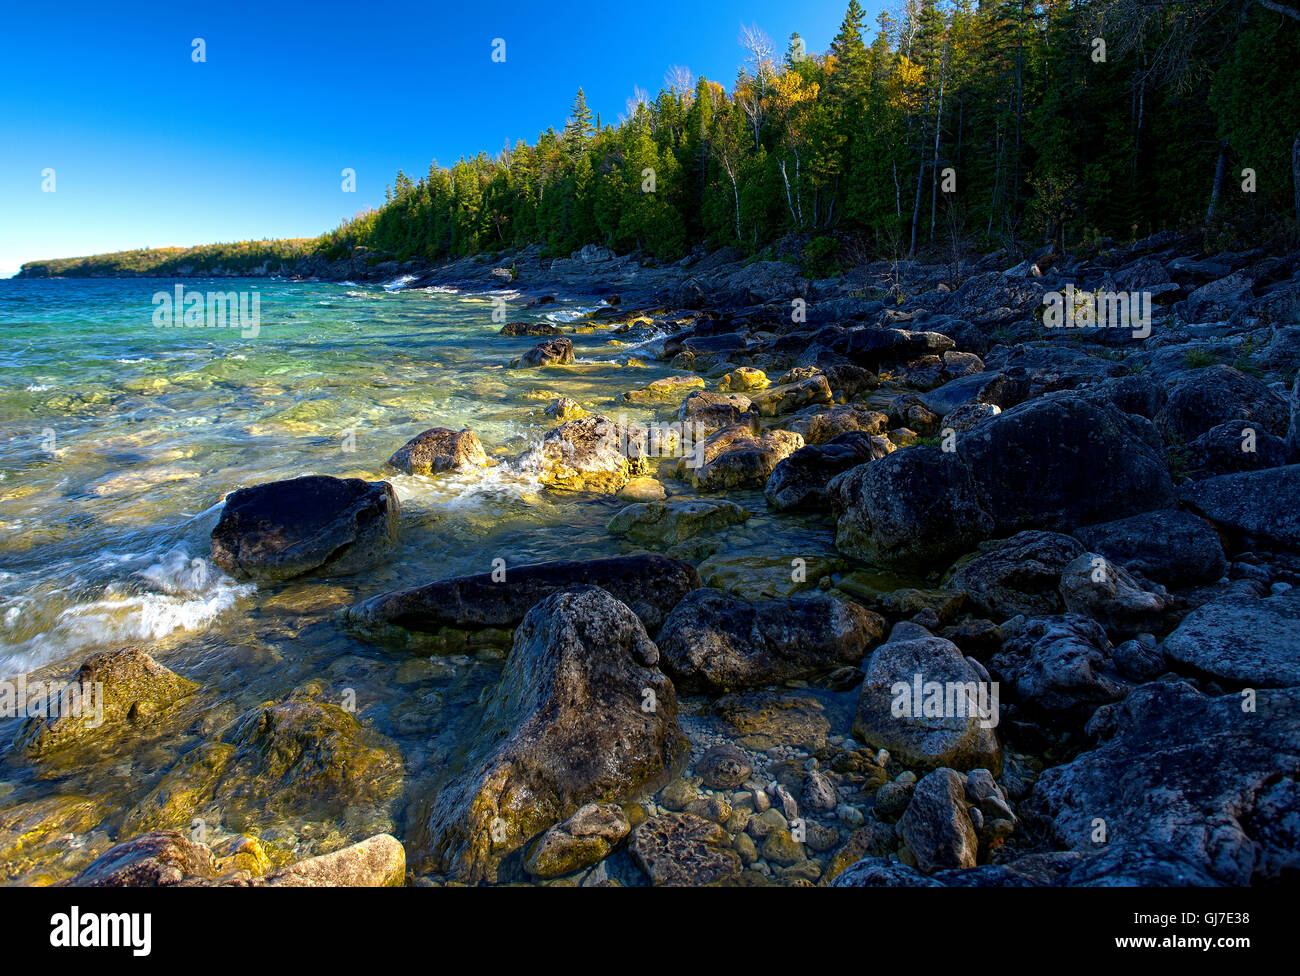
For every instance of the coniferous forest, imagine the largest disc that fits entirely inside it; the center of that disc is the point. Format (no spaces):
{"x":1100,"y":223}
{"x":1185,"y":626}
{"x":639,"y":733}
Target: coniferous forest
{"x":950,"y":124}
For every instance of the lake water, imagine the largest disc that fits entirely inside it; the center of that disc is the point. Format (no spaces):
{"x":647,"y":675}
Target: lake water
{"x":119,"y":440}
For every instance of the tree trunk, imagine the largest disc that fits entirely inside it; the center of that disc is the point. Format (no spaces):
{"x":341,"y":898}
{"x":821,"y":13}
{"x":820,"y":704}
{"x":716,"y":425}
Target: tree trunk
{"x":938,"y":134}
{"x":1219,"y":169}
{"x":1295,"y":173}
{"x":916,"y":205}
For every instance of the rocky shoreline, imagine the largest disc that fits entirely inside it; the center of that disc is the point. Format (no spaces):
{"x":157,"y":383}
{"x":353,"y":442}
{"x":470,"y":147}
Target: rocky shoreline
{"x":1090,"y":677}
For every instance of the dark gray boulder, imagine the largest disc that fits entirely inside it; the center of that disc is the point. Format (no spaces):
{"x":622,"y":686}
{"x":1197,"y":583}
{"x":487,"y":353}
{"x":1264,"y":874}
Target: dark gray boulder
{"x":1171,"y":547}
{"x":565,"y":726}
{"x":649,"y":584}
{"x":714,"y":641}
{"x":284,"y":529}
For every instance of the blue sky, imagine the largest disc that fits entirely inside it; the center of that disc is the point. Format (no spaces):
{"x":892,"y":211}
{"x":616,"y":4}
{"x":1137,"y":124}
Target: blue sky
{"x":151,"y":149}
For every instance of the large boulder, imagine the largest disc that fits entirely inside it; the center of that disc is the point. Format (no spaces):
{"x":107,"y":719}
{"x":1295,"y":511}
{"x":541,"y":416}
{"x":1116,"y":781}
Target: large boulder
{"x":1170,"y":547}
{"x":910,"y":508}
{"x":283,"y":529}
{"x":714,"y":641}
{"x":111,"y":692}
{"x":1204,"y":398}
{"x":650,"y":585}
{"x":1261,"y":504}
{"x":1052,"y":463}
{"x":440,"y":449}
{"x":1058,"y":462}
{"x":1207,"y":783}
{"x":735,"y":457}
{"x":1018,"y":575}
{"x":929,"y":706}
{"x":582,"y":714}
{"x":871,"y":347}
{"x":1242,"y":640}
{"x":1232,"y":447}
{"x":800,"y":480}
{"x":589,"y":454}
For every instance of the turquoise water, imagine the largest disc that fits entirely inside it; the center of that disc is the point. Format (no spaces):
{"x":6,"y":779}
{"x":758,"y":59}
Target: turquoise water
{"x":120,"y":440}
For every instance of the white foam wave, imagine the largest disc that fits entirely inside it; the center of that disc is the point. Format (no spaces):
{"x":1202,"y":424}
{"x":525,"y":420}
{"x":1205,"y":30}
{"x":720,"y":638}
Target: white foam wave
{"x":175,"y":591}
{"x":400,"y":282}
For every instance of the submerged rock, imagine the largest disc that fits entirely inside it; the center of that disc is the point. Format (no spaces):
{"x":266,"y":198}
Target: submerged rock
{"x":565,"y":727}
{"x":316,"y":523}
{"x":297,"y":759}
{"x":679,"y":849}
{"x":650,"y":585}
{"x":440,"y":449}
{"x":669,"y":523}
{"x":585,"y":838}
{"x":723,"y":767}
{"x":717,"y":642}
{"x":761,"y":720}
{"x":111,"y":692}
{"x":153,"y":860}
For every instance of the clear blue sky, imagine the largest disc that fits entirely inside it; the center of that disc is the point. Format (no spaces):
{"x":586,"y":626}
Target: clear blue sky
{"x":151,"y":149}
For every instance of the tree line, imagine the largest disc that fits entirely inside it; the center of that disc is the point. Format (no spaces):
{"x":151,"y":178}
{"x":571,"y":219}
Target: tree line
{"x":956,"y":124}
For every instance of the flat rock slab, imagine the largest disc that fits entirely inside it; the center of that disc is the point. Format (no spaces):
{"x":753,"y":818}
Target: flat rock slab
{"x":1242,"y":640}
{"x":1259,"y":503}
{"x":650,"y":585}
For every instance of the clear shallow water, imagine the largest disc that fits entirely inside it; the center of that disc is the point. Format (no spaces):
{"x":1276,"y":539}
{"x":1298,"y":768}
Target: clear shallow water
{"x":119,"y":439}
